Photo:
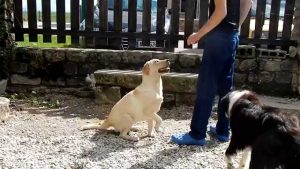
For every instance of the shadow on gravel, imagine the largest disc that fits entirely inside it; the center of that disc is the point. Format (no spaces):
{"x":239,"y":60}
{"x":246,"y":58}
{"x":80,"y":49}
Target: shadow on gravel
{"x":167,"y":157}
{"x":68,"y":106}
{"x":107,"y":142}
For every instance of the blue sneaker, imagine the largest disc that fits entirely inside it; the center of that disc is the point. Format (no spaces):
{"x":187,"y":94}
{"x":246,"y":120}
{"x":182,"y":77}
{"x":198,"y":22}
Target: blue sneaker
{"x":186,"y":139}
{"x":221,"y":138}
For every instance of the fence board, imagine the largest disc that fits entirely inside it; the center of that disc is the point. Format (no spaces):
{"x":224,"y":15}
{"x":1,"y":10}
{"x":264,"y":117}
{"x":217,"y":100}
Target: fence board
{"x":259,"y":20}
{"x":116,"y":42}
{"x":118,"y":15}
{"x":189,"y":20}
{"x":32,"y":22}
{"x":274,"y":19}
{"x":160,"y":36}
{"x":89,"y":20}
{"x":46,"y":20}
{"x":18,"y":20}
{"x":203,"y":17}
{"x":132,"y":5}
{"x":277,"y":42}
{"x":174,"y":23}
{"x":61,"y":20}
{"x":107,"y":34}
{"x":102,"y":42}
{"x":146,"y":27}
{"x":161,"y":9}
{"x":245,"y":29}
{"x":75,"y":20}
{"x":288,"y":21}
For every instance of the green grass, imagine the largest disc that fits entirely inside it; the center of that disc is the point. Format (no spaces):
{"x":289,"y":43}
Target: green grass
{"x":41,"y":44}
{"x":52,"y":15}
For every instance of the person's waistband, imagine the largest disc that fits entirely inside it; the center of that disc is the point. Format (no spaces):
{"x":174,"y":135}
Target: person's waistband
{"x":227,"y":27}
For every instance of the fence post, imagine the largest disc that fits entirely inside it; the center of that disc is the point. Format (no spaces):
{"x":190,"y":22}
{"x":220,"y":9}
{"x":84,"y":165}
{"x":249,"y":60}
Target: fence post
{"x":6,"y":40}
{"x":294,"y":51}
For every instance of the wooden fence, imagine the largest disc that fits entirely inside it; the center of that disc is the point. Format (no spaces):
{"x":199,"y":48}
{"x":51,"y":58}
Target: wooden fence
{"x":103,"y":38}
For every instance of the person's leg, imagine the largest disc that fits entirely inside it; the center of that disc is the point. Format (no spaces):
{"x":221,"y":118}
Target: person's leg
{"x":205,"y":91}
{"x":225,"y":86}
{"x":211,"y":69}
{"x":221,"y":131}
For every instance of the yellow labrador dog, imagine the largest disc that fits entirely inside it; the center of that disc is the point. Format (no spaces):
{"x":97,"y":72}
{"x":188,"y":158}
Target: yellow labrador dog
{"x":140,"y":104}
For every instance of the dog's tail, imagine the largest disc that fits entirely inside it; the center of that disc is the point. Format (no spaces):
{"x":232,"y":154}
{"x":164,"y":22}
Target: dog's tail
{"x":104,"y":125}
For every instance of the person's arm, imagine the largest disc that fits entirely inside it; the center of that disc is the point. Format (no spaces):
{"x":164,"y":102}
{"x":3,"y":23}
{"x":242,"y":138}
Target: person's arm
{"x":217,"y":16}
{"x":245,"y":6}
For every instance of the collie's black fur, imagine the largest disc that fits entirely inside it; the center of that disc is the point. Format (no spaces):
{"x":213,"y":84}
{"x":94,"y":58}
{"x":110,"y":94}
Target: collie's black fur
{"x":273,"y":135}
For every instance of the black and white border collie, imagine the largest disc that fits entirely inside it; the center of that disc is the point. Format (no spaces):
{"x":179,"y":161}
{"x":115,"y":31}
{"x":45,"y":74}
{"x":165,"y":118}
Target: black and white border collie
{"x":268,"y":137}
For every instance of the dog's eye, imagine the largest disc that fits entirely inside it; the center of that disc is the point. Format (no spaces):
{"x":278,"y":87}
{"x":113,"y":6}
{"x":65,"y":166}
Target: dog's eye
{"x":156,"y":61}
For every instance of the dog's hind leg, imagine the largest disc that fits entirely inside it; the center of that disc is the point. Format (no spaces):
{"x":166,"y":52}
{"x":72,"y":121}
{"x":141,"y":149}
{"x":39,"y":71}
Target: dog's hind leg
{"x":124,"y":135}
{"x":125,"y":128}
{"x":246,"y":157}
{"x":135,"y":129}
{"x":256,"y":163}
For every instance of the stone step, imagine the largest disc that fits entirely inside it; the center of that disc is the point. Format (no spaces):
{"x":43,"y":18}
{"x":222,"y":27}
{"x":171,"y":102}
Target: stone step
{"x":286,"y":104}
{"x":180,"y":83}
{"x":172,"y":82}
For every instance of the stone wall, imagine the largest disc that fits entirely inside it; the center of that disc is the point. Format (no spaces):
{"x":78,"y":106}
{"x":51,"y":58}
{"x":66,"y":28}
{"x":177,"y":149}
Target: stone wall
{"x":68,"y":67}
{"x":265,"y":71}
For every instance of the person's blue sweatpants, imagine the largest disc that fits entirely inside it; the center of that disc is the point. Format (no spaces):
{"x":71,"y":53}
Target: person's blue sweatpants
{"x":215,"y":77}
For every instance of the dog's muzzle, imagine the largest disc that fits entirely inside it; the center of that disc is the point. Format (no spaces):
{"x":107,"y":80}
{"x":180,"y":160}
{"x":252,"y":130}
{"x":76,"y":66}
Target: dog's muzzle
{"x":165,"y":69}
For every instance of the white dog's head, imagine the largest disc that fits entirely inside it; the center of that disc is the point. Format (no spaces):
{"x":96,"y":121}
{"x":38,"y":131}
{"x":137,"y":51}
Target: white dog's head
{"x":156,"y":67}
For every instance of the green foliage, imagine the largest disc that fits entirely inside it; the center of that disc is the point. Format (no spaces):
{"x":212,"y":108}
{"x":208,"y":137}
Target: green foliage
{"x":34,"y":100}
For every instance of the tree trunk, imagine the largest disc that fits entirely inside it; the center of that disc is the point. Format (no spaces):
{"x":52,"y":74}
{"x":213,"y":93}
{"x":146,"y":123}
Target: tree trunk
{"x":6,"y":40}
{"x":295,"y":51}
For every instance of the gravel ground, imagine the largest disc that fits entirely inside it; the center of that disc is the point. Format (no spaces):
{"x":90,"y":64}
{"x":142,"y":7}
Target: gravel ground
{"x":43,"y":137}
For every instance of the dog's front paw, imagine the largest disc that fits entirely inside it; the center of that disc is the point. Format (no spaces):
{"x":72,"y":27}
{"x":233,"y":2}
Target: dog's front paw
{"x":151,"y":135}
{"x":230,"y":166}
{"x":148,"y":135}
{"x":243,"y":167}
{"x":133,"y":138}
{"x":82,"y":128}
{"x":159,"y":130}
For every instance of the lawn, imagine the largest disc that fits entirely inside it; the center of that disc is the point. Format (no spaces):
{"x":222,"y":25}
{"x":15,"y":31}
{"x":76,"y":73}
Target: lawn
{"x":52,"y":15}
{"x":41,"y":44}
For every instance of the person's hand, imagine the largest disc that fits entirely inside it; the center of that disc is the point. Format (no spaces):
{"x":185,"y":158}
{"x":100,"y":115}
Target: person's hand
{"x":194,"y":38}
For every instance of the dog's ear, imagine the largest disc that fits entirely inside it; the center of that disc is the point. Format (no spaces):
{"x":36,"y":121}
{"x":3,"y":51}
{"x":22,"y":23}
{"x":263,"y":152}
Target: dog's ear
{"x":224,"y":104}
{"x":146,"y":69}
{"x":252,"y":98}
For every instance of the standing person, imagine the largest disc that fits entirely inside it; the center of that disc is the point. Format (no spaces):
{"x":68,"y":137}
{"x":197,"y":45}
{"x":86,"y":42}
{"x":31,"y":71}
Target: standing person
{"x":216,"y":70}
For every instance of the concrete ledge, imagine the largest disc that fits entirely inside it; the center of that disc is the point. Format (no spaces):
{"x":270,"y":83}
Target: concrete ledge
{"x":172,"y":82}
